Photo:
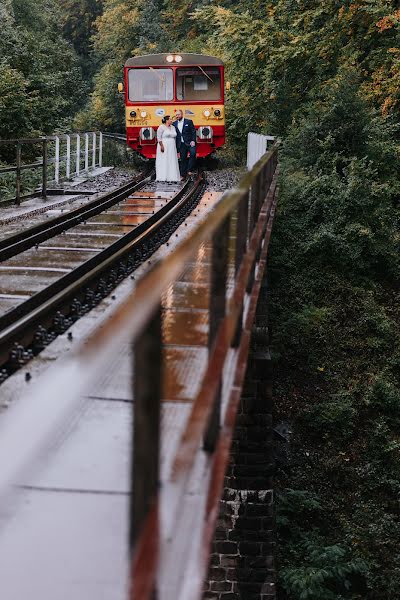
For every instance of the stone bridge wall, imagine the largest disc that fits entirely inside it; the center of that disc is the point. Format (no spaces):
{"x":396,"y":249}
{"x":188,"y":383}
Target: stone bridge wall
{"x":242,"y":559}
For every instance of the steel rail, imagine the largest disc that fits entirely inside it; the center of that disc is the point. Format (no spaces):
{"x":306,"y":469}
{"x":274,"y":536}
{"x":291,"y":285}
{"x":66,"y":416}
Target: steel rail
{"x":28,"y":238}
{"x":136,"y":310}
{"x":19,"y":324}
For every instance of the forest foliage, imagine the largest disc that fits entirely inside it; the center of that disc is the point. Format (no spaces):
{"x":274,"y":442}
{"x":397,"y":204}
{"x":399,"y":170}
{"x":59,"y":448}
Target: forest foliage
{"x":41,"y":83}
{"x":325,"y":78}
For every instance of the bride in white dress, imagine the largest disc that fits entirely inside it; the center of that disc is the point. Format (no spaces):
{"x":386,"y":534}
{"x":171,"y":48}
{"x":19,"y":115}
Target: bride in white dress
{"x":167,"y":166}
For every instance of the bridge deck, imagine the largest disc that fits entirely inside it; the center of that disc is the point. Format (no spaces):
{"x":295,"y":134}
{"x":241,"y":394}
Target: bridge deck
{"x":65,"y":534}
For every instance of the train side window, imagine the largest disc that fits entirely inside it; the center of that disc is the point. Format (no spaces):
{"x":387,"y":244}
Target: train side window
{"x":198,"y":83}
{"x":151,"y":85}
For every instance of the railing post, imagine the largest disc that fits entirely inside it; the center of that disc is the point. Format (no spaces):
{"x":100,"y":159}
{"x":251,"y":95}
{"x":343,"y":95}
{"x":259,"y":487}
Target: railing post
{"x":100,"y":149}
{"x":94,"y":151}
{"x":263,"y":187}
{"x":147,"y":389}
{"x":78,"y":153}
{"x":86,"y":152}
{"x":254,"y":203}
{"x":18,"y":175}
{"x":44,"y":170}
{"x":57,"y":161}
{"x":241,"y":246}
{"x":219,"y":268}
{"x":68,"y":164}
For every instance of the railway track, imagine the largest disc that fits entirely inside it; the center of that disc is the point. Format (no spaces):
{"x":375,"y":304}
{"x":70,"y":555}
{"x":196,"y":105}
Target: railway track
{"x":55,"y":272}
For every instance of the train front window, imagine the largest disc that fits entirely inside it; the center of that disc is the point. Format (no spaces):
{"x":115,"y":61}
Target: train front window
{"x":198,"y":83}
{"x":151,"y":85}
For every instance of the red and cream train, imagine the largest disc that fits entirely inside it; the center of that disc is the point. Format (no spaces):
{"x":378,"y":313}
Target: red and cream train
{"x":159,"y":84}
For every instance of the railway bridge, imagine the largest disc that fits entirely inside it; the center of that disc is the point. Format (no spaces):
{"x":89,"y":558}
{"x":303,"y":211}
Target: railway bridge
{"x":139,"y":465}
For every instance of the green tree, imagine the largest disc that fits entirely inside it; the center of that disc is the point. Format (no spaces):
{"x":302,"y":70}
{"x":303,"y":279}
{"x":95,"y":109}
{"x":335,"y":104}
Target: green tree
{"x":79,"y":27}
{"x":44,"y":66}
{"x":15,"y":105}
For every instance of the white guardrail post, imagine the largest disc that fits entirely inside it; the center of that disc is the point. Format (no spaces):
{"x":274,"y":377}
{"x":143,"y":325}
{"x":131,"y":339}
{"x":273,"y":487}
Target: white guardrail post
{"x":94,"y":151}
{"x":86,"y":152}
{"x":68,"y":163}
{"x":100,"y":149}
{"x":78,"y":153}
{"x":57,"y":161}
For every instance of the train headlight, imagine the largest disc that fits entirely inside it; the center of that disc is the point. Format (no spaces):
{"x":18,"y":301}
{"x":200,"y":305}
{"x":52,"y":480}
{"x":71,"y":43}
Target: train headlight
{"x":206,"y":113}
{"x":143,"y":114}
{"x":170,"y":58}
{"x":178,"y":58}
{"x":132,"y":114}
{"x":217,"y":112}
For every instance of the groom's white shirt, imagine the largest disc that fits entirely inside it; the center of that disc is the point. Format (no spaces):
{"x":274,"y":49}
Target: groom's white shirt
{"x":180,"y":126}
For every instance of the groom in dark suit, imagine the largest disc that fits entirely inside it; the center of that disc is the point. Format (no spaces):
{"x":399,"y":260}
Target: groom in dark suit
{"x":185,"y":143}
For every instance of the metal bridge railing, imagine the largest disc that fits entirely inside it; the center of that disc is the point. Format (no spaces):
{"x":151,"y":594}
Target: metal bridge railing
{"x":257,"y":145}
{"x":62,"y":156}
{"x":158,"y":529}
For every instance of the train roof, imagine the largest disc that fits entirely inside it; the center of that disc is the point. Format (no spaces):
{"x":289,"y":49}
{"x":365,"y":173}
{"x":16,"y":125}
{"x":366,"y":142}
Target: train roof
{"x":160,"y":60}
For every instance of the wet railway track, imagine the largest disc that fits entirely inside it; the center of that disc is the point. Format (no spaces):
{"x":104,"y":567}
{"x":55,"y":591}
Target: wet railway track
{"x":55,"y":272}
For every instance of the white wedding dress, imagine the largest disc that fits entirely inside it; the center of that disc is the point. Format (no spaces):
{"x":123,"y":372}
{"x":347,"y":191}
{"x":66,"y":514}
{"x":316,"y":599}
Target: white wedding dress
{"x":167,"y":166}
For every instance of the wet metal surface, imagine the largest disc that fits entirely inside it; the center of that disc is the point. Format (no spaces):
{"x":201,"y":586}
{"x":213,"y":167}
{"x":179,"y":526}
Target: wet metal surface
{"x":45,"y":259}
{"x":185,"y":320}
{"x":67,"y":533}
{"x":101,"y":239}
{"x":76,"y":561}
{"x":185,"y":327}
{"x":76,"y":508}
{"x":20,"y":283}
{"x":36,"y":210}
{"x":184,"y":367}
{"x":195,"y":296}
{"x":67,"y":536}
{"x":31,"y":271}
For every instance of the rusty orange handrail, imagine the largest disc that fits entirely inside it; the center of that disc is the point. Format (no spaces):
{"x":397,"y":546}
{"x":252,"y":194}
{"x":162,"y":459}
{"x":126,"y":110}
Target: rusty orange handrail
{"x":203,"y":403}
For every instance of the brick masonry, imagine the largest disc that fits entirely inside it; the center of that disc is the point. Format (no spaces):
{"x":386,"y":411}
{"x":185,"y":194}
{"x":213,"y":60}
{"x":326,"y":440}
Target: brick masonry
{"x":242,"y":559}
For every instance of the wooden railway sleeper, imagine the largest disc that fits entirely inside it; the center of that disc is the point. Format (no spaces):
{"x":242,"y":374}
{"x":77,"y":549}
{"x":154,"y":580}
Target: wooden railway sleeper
{"x":42,"y":337}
